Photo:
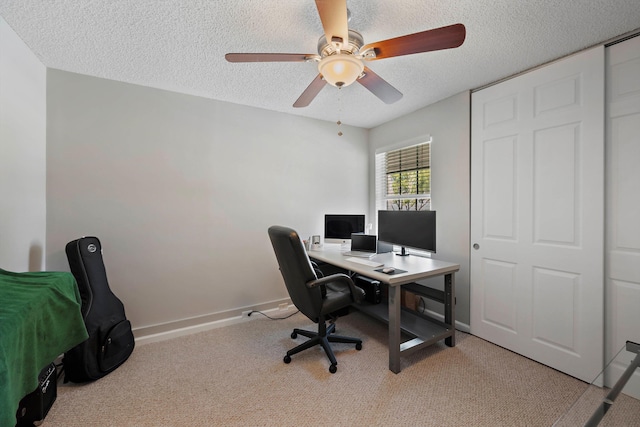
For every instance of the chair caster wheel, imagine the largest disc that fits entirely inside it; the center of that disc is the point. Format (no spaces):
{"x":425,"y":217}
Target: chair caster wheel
{"x":359,"y":346}
{"x":294,"y":335}
{"x":287,"y":359}
{"x":333,"y":369}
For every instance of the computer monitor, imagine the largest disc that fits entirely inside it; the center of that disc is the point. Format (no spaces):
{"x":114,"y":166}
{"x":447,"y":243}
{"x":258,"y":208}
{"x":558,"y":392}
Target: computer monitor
{"x":413,"y":229}
{"x":338,"y":228}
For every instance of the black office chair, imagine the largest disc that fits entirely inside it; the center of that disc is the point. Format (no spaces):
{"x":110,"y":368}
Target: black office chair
{"x":315,"y":297}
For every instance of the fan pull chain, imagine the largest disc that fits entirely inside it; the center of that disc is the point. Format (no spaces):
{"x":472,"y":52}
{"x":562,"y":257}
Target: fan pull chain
{"x":339,"y":110}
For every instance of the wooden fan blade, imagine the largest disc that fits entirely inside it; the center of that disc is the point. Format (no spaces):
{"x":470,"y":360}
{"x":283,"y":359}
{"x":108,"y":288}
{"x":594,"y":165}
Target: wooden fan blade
{"x":268,"y":57}
{"x":310,"y":92}
{"x":425,"y":41}
{"x":333,"y":14}
{"x":379,"y":87}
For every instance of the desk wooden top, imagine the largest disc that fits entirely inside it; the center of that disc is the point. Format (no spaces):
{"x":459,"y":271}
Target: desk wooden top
{"x":416,"y":267}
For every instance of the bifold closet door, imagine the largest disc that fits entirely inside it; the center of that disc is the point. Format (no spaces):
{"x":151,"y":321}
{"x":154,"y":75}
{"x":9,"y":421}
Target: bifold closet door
{"x":537,"y":214}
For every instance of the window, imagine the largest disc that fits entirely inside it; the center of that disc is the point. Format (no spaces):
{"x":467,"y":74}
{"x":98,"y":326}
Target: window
{"x":403,"y":178}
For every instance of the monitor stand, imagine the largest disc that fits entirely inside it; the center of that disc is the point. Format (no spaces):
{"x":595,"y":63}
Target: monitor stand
{"x":403,"y":252}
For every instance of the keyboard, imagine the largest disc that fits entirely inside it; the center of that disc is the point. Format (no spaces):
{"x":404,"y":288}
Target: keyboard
{"x":366,"y":262}
{"x":360,"y":254}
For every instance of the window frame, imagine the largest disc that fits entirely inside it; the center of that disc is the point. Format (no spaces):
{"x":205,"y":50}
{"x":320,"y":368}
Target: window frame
{"x":381,"y":196}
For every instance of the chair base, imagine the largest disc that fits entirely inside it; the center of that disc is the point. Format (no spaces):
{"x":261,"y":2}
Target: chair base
{"x":323,"y":337}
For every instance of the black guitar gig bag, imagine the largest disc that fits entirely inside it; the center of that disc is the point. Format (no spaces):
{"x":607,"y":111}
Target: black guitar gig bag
{"x":110,"y":341}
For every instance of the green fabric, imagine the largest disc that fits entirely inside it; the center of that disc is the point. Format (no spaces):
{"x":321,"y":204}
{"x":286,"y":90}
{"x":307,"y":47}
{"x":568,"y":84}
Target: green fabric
{"x":40,"y":319}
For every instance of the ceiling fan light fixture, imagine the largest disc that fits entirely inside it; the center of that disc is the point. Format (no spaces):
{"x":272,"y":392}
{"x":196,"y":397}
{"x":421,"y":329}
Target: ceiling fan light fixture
{"x":340,"y":70}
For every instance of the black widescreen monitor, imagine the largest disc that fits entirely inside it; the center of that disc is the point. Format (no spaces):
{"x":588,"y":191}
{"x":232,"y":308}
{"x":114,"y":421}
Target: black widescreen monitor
{"x":412,"y":229}
{"x":338,"y":228}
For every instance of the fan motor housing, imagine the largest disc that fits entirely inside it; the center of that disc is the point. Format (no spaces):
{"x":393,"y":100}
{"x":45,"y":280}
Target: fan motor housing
{"x":326,"y":48}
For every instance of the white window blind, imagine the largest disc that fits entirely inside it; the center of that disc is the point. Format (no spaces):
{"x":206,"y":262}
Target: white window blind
{"x":403,"y":178}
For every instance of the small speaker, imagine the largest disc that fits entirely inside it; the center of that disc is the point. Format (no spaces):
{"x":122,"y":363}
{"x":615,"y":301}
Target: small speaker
{"x":34,"y":406}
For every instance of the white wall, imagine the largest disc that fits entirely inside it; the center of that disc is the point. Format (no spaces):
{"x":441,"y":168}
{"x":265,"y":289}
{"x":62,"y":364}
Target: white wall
{"x":22,"y":155}
{"x":448,"y":123}
{"x":181,"y":191}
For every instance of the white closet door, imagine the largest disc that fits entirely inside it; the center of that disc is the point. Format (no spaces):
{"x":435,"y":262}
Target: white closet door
{"x":623,"y":204}
{"x":537,"y":214}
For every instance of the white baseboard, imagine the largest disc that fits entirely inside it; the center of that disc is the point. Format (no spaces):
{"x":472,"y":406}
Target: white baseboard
{"x":176,"y":329}
{"x":165,"y":331}
{"x":161,"y":336}
{"x":459,"y":325}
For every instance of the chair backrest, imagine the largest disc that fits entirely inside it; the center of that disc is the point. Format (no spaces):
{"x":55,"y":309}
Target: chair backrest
{"x":296,"y":270}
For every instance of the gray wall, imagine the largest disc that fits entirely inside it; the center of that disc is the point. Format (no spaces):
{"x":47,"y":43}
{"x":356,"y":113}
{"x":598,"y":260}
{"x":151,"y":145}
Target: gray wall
{"x":181,"y":191}
{"x":22,"y":155}
{"x":448,"y":123}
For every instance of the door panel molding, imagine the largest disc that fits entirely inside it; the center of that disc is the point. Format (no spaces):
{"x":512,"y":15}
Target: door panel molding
{"x":622,"y":275}
{"x":537,"y":206}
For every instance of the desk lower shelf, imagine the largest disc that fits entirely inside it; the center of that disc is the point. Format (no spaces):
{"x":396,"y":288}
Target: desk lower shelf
{"x":423,"y":329}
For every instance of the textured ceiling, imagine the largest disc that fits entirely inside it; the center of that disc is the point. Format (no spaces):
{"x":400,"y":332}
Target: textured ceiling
{"x":179,"y":45}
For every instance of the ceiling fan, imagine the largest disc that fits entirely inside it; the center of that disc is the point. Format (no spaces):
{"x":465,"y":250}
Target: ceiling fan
{"x":342,"y":52}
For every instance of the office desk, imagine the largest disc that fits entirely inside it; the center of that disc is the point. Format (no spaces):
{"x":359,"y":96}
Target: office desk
{"x":423,"y":330}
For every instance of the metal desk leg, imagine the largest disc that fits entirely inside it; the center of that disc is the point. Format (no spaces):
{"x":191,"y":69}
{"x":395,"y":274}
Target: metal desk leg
{"x":450,"y":307}
{"x":607,"y":402}
{"x":394,"y":329}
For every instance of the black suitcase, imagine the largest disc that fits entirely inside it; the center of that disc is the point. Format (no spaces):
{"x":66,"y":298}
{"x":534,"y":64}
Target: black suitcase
{"x":34,"y":407}
{"x":110,"y":341}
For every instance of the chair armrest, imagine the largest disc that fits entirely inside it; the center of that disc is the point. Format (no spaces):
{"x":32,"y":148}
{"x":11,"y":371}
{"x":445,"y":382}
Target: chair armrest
{"x":356,"y":293}
{"x":316,"y":268}
{"x":338,"y":277}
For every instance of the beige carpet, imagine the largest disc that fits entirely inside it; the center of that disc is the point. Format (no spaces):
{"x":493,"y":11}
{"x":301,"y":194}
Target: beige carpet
{"x":235,"y":376}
